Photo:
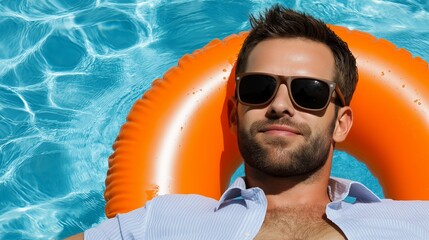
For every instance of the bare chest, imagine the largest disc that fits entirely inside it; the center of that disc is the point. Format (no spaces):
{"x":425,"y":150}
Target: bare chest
{"x":294,"y":224}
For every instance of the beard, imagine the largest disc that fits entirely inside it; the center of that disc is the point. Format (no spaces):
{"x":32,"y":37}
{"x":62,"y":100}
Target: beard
{"x":272,"y":156}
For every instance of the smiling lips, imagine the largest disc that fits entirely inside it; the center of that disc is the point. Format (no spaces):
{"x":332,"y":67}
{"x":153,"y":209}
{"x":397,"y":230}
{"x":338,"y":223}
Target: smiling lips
{"x":280,"y":130}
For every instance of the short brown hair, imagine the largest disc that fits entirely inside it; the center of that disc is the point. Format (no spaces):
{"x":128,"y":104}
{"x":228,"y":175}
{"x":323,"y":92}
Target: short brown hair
{"x":280,"y":22}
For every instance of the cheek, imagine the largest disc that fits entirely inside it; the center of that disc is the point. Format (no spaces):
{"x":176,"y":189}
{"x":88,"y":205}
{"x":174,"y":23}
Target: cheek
{"x":331,"y":120}
{"x":246,"y":116}
{"x":320,"y":125}
{"x":325,"y":124}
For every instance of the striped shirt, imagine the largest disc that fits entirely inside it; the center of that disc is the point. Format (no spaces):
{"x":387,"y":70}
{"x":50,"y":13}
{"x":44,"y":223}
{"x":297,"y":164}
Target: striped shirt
{"x":240,"y":212}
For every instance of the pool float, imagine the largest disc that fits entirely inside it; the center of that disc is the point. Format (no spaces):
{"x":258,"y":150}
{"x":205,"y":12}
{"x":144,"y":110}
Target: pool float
{"x":177,"y":140}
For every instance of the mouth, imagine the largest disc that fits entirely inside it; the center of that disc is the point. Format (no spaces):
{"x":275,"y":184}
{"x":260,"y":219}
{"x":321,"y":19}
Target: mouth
{"x":280,"y":130}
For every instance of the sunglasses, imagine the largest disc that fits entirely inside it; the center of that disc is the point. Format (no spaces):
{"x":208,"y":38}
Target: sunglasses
{"x":311,"y":94}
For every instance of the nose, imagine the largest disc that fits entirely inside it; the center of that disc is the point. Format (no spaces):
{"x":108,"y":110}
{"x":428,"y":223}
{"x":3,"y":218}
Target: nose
{"x":281,"y":104}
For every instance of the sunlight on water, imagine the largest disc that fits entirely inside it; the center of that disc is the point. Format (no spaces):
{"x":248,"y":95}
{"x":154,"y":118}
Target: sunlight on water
{"x":71,"y":70}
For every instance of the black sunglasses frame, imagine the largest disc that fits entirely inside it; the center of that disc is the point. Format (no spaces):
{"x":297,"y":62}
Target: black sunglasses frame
{"x":279,"y":79}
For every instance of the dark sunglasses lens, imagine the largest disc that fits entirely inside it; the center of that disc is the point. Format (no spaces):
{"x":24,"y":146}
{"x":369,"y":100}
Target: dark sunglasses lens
{"x":310,"y":93}
{"x":256,"y":89}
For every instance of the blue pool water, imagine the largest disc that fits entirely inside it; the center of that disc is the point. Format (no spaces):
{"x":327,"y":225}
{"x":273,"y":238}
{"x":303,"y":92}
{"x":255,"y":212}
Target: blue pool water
{"x":71,"y":70}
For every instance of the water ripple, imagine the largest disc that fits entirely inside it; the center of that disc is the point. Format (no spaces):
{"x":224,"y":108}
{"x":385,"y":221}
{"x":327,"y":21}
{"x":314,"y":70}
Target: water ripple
{"x":70,"y":71}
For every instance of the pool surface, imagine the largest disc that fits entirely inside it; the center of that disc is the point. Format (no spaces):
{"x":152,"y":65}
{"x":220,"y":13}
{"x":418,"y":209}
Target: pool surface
{"x":71,"y":70}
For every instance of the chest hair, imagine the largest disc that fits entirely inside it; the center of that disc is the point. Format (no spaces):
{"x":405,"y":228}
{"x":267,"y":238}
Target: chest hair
{"x":298,"y":223}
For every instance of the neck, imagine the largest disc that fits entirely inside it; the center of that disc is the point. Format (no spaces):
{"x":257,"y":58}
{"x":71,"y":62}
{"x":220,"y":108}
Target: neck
{"x":293,"y":191}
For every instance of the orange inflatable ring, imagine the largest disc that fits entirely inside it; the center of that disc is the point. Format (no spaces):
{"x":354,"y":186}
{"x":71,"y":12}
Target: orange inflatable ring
{"x":176,"y":138}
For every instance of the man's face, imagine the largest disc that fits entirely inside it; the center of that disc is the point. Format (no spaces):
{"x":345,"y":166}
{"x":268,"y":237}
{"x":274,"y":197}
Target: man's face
{"x":280,"y":139}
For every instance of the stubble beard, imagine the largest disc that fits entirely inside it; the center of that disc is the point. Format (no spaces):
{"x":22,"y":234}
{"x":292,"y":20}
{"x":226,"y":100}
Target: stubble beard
{"x":275,"y":158}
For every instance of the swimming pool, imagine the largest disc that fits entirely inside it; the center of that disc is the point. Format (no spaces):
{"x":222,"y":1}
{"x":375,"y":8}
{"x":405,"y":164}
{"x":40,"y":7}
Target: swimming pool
{"x":71,"y":70}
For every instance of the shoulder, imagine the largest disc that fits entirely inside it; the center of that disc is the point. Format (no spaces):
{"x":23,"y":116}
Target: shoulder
{"x":181,"y":199}
{"x":180,"y":204}
{"x":385,"y":208}
{"x":165,"y":208}
{"x":387,"y":219}
{"x":412,"y":210}
{"x":393,"y":208}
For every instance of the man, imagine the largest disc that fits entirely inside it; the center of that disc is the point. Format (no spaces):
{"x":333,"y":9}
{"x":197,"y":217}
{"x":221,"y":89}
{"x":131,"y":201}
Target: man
{"x":295,"y":80}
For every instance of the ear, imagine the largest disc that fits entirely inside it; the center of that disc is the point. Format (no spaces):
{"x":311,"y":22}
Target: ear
{"x":232,"y":114}
{"x":343,"y":124}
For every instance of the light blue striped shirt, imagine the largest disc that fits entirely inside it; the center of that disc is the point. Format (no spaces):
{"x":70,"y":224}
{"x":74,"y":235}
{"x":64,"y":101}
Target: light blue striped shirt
{"x":240,"y":212}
